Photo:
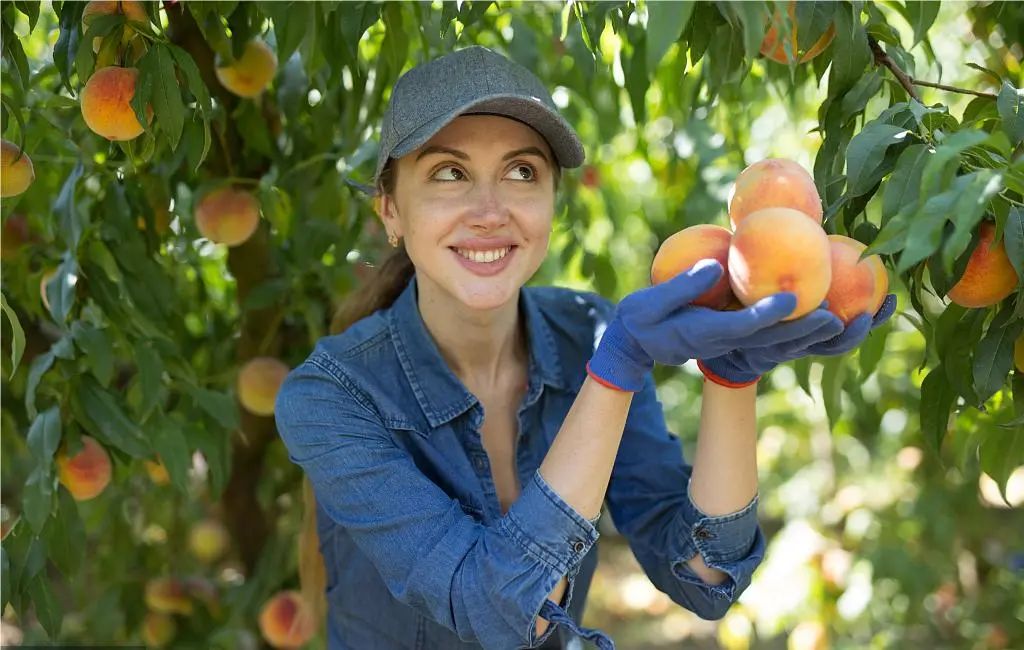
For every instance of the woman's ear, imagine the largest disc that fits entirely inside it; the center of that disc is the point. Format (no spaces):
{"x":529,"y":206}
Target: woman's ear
{"x":384,"y":206}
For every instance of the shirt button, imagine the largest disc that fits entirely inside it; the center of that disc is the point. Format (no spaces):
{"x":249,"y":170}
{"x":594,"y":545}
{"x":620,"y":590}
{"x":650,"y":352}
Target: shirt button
{"x":578,"y":546}
{"x":703,"y":533}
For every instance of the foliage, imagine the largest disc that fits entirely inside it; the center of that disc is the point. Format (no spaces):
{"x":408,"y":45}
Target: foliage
{"x":146,"y":326}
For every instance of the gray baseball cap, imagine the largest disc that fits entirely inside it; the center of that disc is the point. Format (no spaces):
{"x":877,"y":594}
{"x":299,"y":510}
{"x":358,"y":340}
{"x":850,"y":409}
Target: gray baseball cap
{"x":471,"y":80}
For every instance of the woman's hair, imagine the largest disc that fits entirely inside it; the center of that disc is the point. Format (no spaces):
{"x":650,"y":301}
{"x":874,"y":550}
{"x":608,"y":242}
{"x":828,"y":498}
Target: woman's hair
{"x":380,"y":292}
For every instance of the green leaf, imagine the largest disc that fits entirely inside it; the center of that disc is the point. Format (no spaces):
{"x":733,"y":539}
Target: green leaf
{"x":871,"y":351}
{"x":865,"y":153}
{"x":994,"y":356}
{"x":851,"y":54}
{"x":48,"y":611}
{"x":158,"y":65}
{"x":924,"y":235}
{"x":942,"y":166}
{"x":64,"y":209}
{"x":802,"y":368}
{"x":37,"y":498}
{"x":665,"y":24}
{"x":170,"y":444}
{"x":64,"y":535}
{"x":921,"y":16}
{"x":396,"y":42}
{"x":902,"y":187}
{"x":750,"y":20}
{"x":813,"y":18}
{"x":958,"y":356}
{"x":17,"y":334}
{"x":109,"y":420}
{"x":151,"y":368}
{"x":44,"y":435}
{"x":220,"y":406}
{"x":97,"y":349}
{"x":725,"y":61}
{"x":196,"y":86}
{"x":60,"y":290}
{"x":637,"y":81}
{"x":291,"y":25}
{"x":936,"y":403}
{"x":36,"y":370}
{"x":277,"y":208}
{"x":968,"y":210}
{"x":31,"y":10}
{"x":1010,"y":103}
{"x":1001,"y":453}
{"x":857,"y":98}
{"x":5,"y":578}
{"x":1013,"y":239}
{"x":833,"y":374}
{"x":67,"y":42}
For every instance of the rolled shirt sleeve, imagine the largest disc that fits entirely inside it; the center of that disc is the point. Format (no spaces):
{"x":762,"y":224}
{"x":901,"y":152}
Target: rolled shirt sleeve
{"x":486,"y":583}
{"x":649,"y":502}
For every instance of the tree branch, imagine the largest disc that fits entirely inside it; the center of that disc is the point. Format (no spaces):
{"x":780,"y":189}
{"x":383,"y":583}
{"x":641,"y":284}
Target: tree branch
{"x":908,"y":82}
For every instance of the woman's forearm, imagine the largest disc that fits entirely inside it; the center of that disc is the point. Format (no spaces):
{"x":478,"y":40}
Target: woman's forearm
{"x":579,"y":463}
{"x":724,"y":478}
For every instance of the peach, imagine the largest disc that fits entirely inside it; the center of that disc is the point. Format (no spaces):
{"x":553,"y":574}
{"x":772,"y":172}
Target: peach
{"x":1018,"y":353}
{"x":208,"y":540}
{"x":87,"y":473}
{"x":774,"y":47}
{"x":133,"y":11}
{"x":779,"y":249}
{"x":15,"y":175}
{"x":852,"y":291}
{"x":881,"y":282}
{"x":683,"y":249}
{"x":106,"y":103}
{"x":989,"y":276}
{"x":250,"y":74}
{"x":774,"y":183}
{"x":157,"y":472}
{"x":157,"y":629}
{"x":286,"y":621}
{"x":258,"y":382}
{"x":16,"y":233}
{"x":228,"y":216}
{"x":167,"y":596}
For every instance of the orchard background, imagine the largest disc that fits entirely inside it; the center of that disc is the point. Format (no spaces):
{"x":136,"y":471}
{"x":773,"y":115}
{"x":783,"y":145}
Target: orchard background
{"x":892,"y":479}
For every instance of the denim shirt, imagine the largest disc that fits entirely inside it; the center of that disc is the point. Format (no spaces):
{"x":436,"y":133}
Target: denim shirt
{"x":418,"y":553}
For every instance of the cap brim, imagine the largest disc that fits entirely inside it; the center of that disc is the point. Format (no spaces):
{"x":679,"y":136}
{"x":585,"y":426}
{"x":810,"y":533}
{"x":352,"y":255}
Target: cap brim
{"x":564,"y":142}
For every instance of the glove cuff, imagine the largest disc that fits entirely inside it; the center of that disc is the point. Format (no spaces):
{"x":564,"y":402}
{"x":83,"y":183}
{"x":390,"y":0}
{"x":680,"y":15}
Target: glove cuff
{"x":714,"y":377}
{"x":619,"y":363}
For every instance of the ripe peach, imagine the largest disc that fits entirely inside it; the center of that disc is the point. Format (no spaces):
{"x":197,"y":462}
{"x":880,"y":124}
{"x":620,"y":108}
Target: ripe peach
{"x":774,"y":48}
{"x":258,"y":383}
{"x":167,"y":596}
{"x":87,"y":473}
{"x":228,"y":216}
{"x":881,"y":282}
{"x":852,"y":291}
{"x":208,"y":540}
{"x":157,"y":629}
{"x":132,"y":9}
{"x":106,"y":103}
{"x":989,"y":276}
{"x":16,"y":234}
{"x":15,"y":177}
{"x":774,"y":183}
{"x":286,"y":621}
{"x":1018,"y":353}
{"x":250,"y":74}
{"x":683,"y":249}
{"x":779,"y":249}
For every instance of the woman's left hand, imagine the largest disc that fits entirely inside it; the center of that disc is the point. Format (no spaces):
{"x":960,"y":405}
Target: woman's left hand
{"x":744,"y":366}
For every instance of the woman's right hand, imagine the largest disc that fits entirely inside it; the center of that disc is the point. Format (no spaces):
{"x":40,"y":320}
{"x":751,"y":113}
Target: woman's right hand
{"x":659,"y":324}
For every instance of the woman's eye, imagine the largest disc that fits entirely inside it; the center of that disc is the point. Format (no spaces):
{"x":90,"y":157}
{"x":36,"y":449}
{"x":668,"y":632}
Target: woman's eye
{"x":456,"y":174}
{"x":527,"y":172}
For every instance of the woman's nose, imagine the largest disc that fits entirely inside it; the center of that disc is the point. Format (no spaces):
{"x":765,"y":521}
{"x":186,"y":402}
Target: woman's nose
{"x":487,"y":206}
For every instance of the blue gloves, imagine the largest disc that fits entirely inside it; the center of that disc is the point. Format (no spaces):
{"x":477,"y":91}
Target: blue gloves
{"x":745,"y":365}
{"x":658,"y":324}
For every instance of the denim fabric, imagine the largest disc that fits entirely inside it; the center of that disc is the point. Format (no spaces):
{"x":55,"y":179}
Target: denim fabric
{"x":417,"y":550}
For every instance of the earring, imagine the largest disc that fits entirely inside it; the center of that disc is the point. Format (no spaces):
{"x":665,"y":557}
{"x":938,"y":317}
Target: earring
{"x":393,"y":240}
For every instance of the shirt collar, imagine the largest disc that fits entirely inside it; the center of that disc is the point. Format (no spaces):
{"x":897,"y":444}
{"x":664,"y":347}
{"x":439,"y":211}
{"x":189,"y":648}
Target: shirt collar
{"x":441,"y":394}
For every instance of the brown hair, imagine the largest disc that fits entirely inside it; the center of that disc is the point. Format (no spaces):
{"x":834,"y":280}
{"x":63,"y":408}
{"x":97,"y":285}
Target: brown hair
{"x":380,"y":292}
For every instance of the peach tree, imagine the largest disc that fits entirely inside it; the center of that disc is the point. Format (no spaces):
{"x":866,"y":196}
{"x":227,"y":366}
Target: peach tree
{"x":183,"y":211}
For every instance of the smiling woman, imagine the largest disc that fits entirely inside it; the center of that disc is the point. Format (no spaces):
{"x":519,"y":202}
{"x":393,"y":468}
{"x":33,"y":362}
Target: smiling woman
{"x":463,"y":430}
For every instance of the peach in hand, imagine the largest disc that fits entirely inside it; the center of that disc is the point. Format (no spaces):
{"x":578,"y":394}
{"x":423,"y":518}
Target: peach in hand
{"x":685,"y":248}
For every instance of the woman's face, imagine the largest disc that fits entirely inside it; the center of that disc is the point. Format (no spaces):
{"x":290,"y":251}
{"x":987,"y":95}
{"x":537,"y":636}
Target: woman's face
{"x":483,"y":186}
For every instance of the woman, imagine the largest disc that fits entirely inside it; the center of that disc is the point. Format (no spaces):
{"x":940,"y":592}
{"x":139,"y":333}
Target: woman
{"x":463,"y":432}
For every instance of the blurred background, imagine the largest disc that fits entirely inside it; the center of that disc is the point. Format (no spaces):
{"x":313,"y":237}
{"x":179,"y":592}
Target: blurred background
{"x":893,"y":510}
